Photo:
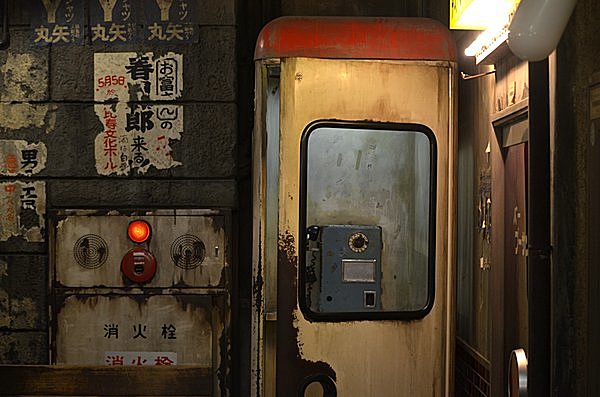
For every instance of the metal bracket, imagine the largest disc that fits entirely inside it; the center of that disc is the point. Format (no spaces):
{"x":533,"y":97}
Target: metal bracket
{"x":466,"y":76}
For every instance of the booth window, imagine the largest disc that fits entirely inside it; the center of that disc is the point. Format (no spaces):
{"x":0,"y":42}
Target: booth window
{"x":367,"y":221}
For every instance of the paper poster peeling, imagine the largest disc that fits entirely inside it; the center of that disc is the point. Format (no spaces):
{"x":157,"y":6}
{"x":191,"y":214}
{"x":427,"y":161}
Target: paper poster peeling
{"x":136,"y":136}
{"x":22,"y":210}
{"x":22,"y":158}
{"x":129,"y":76}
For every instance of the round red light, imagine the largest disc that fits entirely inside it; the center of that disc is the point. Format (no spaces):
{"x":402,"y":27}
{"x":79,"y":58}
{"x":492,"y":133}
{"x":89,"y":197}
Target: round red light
{"x":138,"y":231}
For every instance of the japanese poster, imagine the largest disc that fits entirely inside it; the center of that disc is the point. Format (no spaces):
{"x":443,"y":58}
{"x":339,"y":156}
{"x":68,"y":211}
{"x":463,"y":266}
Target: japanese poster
{"x":22,"y":210}
{"x":113,"y":21}
{"x":136,"y":136}
{"x":171,"y":21}
{"x":117,"y":74}
{"x":22,"y":158}
{"x":58,"y":22}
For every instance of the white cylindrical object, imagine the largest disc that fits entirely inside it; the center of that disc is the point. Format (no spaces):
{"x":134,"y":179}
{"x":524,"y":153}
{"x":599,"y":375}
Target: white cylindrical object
{"x":537,"y":27}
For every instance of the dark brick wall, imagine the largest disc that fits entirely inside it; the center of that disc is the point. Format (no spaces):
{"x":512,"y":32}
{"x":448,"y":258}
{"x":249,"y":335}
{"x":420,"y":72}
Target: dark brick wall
{"x":23,"y":309}
{"x":47,"y":95}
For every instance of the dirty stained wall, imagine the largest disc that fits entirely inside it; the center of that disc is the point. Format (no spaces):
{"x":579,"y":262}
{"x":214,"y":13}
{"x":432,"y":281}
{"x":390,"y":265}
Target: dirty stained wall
{"x":47,"y":99}
{"x":496,"y":87}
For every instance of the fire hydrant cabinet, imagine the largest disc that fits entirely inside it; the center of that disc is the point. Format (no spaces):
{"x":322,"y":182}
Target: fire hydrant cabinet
{"x":141,"y":288}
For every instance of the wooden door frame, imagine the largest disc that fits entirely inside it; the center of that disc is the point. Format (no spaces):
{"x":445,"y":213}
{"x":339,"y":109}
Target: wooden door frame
{"x":498,"y":366}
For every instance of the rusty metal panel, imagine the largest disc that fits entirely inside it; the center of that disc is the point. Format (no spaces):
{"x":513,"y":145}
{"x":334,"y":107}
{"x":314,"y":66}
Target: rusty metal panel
{"x":90,"y":249}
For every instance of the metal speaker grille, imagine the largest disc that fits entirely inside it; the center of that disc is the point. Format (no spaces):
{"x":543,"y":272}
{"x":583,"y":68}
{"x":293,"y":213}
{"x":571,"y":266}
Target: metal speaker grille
{"x":90,"y":251}
{"x":187,"y":251}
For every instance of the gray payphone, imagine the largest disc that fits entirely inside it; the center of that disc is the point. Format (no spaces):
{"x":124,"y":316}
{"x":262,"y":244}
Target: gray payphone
{"x":349,"y":263}
{"x":368,"y":191}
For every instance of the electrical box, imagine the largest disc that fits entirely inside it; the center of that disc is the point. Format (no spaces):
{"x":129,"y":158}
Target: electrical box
{"x":141,"y":288}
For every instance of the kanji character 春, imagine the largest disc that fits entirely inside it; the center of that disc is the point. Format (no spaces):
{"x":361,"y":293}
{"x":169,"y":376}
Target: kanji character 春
{"x":139,"y":68}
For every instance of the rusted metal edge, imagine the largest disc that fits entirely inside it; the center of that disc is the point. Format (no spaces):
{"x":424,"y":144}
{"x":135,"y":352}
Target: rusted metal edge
{"x":356,"y":38}
{"x":299,"y":370}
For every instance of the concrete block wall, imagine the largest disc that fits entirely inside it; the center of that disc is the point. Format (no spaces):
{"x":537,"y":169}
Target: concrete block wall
{"x":47,"y":95}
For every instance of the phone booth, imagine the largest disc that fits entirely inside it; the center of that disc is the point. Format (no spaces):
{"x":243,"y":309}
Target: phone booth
{"x":354,"y":192}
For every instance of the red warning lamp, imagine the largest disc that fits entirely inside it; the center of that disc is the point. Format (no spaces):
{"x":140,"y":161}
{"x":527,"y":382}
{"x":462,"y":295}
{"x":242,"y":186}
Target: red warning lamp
{"x":139,"y":231}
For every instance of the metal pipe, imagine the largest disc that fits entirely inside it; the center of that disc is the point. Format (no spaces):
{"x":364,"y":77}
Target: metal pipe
{"x":539,"y":273}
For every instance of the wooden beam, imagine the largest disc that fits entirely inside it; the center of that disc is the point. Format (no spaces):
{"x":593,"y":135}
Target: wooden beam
{"x":55,"y":380}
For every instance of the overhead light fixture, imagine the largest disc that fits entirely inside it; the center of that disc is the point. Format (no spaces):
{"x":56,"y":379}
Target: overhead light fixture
{"x":496,"y":32}
{"x":537,"y":26}
{"x":479,"y":14}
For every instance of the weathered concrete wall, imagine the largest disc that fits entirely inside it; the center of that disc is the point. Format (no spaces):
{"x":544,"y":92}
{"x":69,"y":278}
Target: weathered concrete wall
{"x":47,"y":97}
{"x":23,"y":313}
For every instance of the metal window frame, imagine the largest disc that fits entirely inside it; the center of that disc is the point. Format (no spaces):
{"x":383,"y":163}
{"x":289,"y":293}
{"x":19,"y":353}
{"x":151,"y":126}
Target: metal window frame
{"x":362,"y":316}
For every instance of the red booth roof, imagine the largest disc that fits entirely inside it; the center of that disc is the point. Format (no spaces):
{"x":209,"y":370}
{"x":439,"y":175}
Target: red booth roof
{"x":355,"y":38}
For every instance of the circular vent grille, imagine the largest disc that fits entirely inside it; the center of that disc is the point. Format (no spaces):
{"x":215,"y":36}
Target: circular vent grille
{"x":187,"y":251}
{"x":90,"y":251}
